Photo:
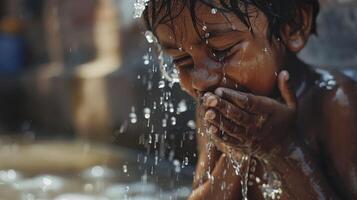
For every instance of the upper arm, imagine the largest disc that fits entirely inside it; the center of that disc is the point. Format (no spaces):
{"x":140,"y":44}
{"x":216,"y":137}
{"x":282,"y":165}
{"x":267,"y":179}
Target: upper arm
{"x":339,"y":139}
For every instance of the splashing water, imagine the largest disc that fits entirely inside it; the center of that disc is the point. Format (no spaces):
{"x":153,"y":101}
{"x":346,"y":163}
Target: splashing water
{"x":241,"y":168}
{"x":272,"y":191}
{"x":139,"y":7}
{"x":272,"y":187}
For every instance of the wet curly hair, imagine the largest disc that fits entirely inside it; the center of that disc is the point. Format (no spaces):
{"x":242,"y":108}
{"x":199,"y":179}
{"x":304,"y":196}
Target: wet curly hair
{"x":278,"y":12}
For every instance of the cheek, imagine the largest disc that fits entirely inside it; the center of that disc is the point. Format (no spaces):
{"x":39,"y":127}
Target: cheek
{"x":255,"y":68}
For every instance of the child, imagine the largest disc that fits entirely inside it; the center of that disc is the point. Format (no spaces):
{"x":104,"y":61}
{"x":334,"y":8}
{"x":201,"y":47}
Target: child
{"x":270,"y":126}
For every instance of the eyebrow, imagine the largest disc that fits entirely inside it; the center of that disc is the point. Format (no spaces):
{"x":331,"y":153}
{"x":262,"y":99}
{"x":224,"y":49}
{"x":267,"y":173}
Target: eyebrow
{"x":167,"y":45}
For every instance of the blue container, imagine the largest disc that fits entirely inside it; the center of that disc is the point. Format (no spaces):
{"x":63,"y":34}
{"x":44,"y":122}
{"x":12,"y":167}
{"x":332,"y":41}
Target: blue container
{"x":12,"y":53}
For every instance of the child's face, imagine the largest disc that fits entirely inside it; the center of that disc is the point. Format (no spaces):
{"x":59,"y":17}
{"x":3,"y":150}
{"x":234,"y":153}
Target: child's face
{"x":231,"y":56}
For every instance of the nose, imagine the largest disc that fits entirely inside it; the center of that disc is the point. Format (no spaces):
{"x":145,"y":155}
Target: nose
{"x":204,"y":80}
{"x":207,"y":73}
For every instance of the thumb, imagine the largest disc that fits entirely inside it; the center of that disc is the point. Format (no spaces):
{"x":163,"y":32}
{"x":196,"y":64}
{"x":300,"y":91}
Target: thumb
{"x":286,"y":90}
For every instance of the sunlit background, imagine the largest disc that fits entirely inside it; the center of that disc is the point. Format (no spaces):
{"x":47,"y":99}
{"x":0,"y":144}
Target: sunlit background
{"x":85,"y":112}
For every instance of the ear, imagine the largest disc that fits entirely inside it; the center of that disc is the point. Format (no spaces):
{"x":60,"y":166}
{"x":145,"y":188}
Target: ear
{"x":295,"y":40}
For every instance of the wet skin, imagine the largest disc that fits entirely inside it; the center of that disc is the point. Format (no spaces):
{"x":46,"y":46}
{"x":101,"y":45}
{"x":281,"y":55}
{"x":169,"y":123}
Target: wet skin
{"x":263,"y":99}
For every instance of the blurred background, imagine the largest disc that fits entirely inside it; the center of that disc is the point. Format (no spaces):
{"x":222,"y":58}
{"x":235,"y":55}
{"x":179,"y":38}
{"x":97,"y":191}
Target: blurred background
{"x":83,"y":71}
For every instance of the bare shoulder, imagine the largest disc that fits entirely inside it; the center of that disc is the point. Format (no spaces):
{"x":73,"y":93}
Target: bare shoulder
{"x":338,"y":95}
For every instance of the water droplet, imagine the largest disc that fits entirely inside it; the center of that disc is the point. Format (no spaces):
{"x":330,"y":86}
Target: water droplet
{"x":132,"y":116}
{"x":149,"y":85}
{"x":147,"y":113}
{"x":177,"y":165}
{"x":164,"y":123}
{"x":150,"y":37}
{"x":224,"y":79}
{"x":161,"y":84}
{"x":171,"y":110}
{"x":181,"y":107}
{"x":257,"y":179}
{"x":125,"y":168}
{"x":186,"y":161}
{"x":123,"y":127}
{"x":157,"y":138}
{"x":150,"y":139}
{"x":173,"y":121}
{"x":191,"y":124}
{"x":146,"y":59}
{"x":97,"y":171}
{"x":214,"y":11}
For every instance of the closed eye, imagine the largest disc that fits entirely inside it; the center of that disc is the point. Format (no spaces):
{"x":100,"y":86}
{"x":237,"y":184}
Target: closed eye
{"x":222,"y":53}
{"x":183,"y":61}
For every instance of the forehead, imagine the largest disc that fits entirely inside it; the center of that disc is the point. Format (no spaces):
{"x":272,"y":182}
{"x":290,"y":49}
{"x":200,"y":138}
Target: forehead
{"x":207,"y":19}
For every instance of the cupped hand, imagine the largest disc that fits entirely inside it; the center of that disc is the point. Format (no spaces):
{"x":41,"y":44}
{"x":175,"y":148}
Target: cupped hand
{"x":242,"y":120}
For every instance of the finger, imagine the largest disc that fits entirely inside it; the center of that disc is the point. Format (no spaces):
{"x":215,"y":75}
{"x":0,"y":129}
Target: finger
{"x":227,"y":109}
{"x":247,"y":102}
{"x":227,"y":145}
{"x":225,"y":125}
{"x":286,"y":91}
